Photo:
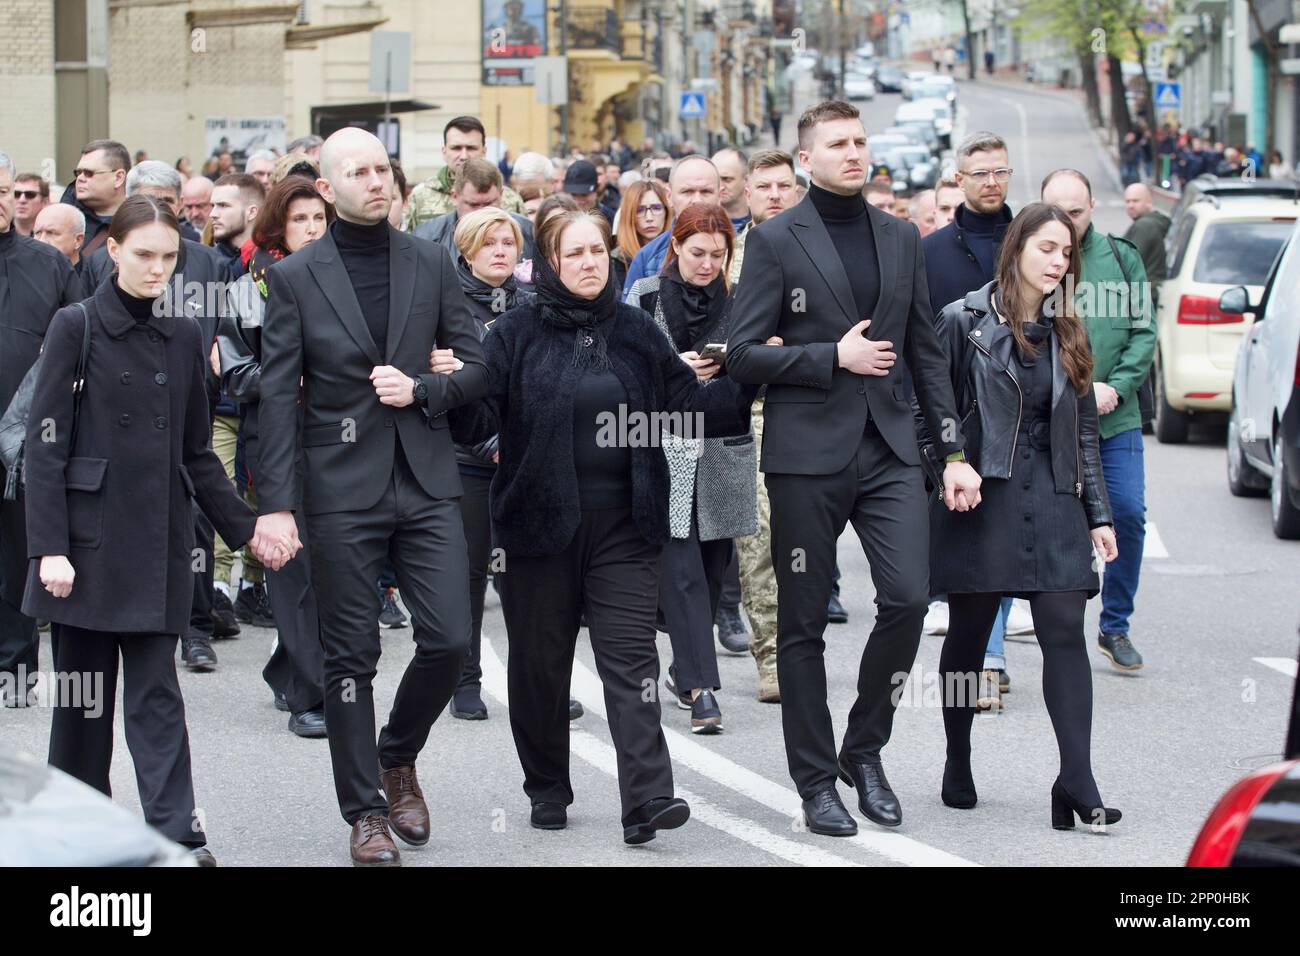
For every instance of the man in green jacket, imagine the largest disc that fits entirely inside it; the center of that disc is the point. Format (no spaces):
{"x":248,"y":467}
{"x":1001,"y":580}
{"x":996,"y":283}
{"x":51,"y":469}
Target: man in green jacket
{"x":1114,"y":297}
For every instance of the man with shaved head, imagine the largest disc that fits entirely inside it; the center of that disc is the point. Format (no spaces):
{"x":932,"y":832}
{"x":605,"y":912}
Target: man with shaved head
{"x":196,"y":201}
{"x":1147,"y":232}
{"x":693,"y":179}
{"x":365,"y":470}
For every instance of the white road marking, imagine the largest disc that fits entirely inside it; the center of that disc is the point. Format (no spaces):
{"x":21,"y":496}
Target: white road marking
{"x":774,"y":796}
{"x":601,"y":756}
{"x":1283,"y":665}
{"x":1154,"y":547}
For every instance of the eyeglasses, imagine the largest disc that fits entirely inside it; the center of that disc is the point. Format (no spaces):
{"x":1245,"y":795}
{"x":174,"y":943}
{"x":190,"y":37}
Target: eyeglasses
{"x":655,"y":208}
{"x":26,"y":193}
{"x":89,"y":173}
{"x":982,"y":175}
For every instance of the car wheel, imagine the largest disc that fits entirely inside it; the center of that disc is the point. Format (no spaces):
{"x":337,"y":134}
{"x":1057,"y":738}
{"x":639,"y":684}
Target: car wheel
{"x":1286,"y":516}
{"x":1171,"y":424}
{"x":1244,"y":480}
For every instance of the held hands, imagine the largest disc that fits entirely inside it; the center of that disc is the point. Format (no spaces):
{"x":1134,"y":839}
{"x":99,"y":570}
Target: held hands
{"x":1107,"y":398}
{"x":961,"y":486}
{"x":1103,"y":543}
{"x":862,"y":355}
{"x":57,"y":574}
{"x":704,"y":369}
{"x":444,"y":362}
{"x":275,"y":540}
{"x":393,"y":387}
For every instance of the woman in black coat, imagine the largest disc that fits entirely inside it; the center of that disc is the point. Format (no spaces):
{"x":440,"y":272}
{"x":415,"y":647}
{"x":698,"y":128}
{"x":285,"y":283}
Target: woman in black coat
{"x":488,"y":244}
{"x":110,"y":526}
{"x":1022,"y":374}
{"x":579,"y":382}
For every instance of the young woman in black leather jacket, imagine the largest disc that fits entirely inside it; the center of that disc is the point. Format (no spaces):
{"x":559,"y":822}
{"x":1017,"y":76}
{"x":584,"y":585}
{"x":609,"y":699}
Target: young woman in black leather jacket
{"x":1022,"y":375}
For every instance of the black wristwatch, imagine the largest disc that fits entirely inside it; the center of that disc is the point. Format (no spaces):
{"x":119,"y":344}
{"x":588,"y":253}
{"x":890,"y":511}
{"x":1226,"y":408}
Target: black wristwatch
{"x":420,"y":392}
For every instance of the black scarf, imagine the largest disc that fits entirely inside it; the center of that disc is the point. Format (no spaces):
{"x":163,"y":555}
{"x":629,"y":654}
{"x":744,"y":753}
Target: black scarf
{"x":561,"y":309}
{"x":693,"y":312}
{"x":484,"y":293}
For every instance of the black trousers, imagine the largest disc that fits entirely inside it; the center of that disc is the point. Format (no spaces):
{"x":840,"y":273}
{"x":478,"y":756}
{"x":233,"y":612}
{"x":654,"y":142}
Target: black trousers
{"x":691,"y":579}
{"x":730,"y":598}
{"x":18,"y":637}
{"x":201,"y":608}
{"x":296,"y":667}
{"x":612,"y":572}
{"x":885,"y":501}
{"x":477,"y":518}
{"x":81,"y":743}
{"x":425,"y":540}
{"x":1067,"y":678}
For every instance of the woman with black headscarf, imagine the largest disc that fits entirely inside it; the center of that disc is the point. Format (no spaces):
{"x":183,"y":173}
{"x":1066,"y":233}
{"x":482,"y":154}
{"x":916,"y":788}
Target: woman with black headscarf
{"x":579,"y":385}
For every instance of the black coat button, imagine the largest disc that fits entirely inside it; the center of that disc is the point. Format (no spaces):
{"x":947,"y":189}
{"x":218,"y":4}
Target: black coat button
{"x":161,"y":378}
{"x":154,"y":336}
{"x":126,"y":378}
{"x":1029,"y":547}
{"x":160,"y":422}
{"x":124,"y":420}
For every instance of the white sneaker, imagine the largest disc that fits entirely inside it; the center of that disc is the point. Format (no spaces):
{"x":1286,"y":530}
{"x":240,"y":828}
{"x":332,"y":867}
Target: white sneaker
{"x":1019,"y":621}
{"x":936,"y":619}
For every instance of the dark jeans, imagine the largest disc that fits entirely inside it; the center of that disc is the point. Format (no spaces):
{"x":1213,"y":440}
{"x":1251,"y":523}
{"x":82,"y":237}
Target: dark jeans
{"x":477,"y":518}
{"x":610,"y":571}
{"x":885,"y":501}
{"x":81,"y":744}
{"x":690,"y":586}
{"x":1122,"y":466}
{"x":425,"y":540}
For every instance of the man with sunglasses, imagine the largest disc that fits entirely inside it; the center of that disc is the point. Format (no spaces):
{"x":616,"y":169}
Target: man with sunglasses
{"x":31,"y":195}
{"x":98,"y":187}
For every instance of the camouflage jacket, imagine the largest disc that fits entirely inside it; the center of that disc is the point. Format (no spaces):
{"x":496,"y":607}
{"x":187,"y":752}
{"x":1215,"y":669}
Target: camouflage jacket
{"x":433,"y":198}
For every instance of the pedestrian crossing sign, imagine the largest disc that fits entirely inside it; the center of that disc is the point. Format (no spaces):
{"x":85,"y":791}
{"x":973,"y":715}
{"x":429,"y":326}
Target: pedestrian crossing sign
{"x":692,"y":105}
{"x":1168,"y":96}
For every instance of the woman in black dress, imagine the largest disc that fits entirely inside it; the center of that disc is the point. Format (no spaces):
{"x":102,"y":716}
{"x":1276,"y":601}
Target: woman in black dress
{"x":109,"y":518}
{"x":1022,"y":374}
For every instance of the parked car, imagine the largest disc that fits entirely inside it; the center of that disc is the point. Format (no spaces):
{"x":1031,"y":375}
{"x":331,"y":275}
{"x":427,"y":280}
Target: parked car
{"x":921,"y":131}
{"x":858,"y":86}
{"x":911,"y":78}
{"x":1226,"y":188}
{"x":1216,"y":245}
{"x":1257,"y":822}
{"x":889,"y":79}
{"x":939,"y":111}
{"x":936,"y":86}
{"x":1264,"y":421}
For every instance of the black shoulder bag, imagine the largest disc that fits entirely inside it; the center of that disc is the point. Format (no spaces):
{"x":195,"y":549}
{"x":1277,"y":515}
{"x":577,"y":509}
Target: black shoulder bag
{"x":13,"y":425}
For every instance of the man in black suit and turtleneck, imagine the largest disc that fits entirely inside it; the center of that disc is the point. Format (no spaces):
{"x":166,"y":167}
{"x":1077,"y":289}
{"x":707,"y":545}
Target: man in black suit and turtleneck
{"x":843,"y":286}
{"x":963,"y":255}
{"x":350,"y":323}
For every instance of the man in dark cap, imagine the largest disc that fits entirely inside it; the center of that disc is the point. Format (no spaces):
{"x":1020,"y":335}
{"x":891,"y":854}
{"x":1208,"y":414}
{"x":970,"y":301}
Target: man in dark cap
{"x":580,"y":183}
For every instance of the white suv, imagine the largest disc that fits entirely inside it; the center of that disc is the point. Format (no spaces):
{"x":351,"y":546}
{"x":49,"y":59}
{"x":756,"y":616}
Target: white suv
{"x":1214,"y":246}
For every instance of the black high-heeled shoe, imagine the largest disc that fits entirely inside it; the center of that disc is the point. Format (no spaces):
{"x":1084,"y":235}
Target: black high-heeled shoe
{"x":958,"y":786}
{"x":1064,"y":808}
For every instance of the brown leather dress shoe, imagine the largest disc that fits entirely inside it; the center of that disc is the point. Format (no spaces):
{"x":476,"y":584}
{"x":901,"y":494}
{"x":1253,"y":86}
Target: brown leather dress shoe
{"x":371,"y":845}
{"x":407,"y":813}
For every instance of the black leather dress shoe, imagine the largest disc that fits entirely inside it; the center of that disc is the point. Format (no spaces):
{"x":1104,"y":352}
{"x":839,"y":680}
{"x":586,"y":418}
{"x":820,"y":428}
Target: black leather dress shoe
{"x":281,"y":702}
{"x":835,"y":612}
{"x":548,"y":816}
{"x":824,"y":813}
{"x":203,"y":856}
{"x":876,"y":799}
{"x":308,"y":723}
{"x":661,"y":813}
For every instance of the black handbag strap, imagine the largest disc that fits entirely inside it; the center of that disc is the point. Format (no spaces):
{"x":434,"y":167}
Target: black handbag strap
{"x":1114,"y":251}
{"x":79,"y":382}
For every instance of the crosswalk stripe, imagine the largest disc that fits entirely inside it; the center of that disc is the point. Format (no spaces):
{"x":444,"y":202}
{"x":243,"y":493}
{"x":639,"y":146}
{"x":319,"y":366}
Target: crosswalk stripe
{"x":1154,"y":547}
{"x":601,"y":756}
{"x":774,"y":796}
{"x":1283,"y":665}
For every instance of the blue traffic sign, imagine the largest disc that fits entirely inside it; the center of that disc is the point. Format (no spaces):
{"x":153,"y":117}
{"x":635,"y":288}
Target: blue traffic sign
{"x":692,"y":105}
{"x":1168,"y":96}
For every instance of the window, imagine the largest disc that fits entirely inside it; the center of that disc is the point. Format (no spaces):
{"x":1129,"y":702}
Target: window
{"x":1240,"y":252}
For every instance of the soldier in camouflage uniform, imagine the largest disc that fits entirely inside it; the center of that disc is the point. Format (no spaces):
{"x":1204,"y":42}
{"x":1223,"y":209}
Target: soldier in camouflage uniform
{"x":769,"y":190}
{"x":462,"y":138}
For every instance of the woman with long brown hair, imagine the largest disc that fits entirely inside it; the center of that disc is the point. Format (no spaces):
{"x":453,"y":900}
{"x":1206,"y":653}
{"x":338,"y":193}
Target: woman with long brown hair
{"x":644,"y":213}
{"x":1022,"y":375}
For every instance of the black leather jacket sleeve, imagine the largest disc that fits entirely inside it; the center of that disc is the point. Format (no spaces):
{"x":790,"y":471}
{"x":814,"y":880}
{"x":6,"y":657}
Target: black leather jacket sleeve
{"x":1095,"y":501}
{"x":239,"y":334}
{"x":952,"y":337}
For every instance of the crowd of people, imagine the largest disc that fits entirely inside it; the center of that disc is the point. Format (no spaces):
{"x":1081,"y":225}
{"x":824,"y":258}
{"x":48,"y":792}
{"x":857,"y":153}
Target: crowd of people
{"x":426,"y":389}
{"x":1185,"y":154}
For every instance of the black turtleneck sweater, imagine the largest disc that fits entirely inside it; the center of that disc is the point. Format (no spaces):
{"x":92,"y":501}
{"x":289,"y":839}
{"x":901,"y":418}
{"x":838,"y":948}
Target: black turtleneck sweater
{"x":847,"y":221}
{"x":364,"y":250}
{"x":139,"y":309}
{"x":984,"y":232}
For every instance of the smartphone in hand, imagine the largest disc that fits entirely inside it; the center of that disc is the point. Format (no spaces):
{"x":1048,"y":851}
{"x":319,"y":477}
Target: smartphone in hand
{"x":714,"y":352}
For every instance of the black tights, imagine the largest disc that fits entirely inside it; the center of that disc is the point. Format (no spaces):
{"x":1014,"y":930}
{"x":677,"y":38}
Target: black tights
{"x":1067,"y":682}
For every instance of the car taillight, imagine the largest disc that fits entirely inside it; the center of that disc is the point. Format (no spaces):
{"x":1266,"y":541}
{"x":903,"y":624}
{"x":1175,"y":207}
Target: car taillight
{"x":1203,"y":310}
{"x":1218,"y":839}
